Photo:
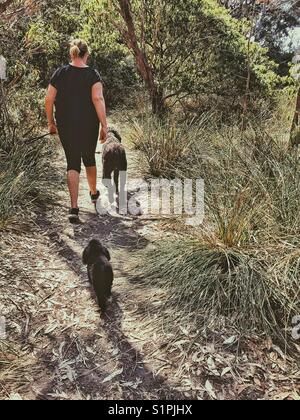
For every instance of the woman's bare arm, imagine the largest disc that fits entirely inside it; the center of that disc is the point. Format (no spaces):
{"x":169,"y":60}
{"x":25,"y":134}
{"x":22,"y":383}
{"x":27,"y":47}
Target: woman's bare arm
{"x":49,"y":106}
{"x":99,"y":104}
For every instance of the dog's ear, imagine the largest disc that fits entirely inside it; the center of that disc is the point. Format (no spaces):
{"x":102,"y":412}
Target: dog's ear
{"x":85,"y":255}
{"x":91,"y":252}
{"x":106,"y":253}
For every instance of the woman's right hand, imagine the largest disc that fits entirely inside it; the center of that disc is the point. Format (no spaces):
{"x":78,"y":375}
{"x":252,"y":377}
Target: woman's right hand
{"x":103,"y":134}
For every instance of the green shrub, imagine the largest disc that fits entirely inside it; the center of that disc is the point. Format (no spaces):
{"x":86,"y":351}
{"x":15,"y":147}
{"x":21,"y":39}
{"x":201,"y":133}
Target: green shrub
{"x":24,"y":163}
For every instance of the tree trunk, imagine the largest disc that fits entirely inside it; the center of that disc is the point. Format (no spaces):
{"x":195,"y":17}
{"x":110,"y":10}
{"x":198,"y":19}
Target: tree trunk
{"x":140,"y":56}
{"x":295,"y":133}
{"x":158,"y":103}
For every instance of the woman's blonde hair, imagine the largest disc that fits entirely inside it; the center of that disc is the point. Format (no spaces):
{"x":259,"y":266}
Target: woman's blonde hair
{"x":78,"y":49}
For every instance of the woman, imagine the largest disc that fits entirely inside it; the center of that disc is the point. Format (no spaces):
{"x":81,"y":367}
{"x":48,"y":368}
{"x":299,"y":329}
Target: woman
{"x":76,"y":90}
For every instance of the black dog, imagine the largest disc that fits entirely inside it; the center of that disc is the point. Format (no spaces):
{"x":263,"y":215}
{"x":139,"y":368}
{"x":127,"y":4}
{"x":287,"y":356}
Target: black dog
{"x":114,"y":161}
{"x":100,"y":271}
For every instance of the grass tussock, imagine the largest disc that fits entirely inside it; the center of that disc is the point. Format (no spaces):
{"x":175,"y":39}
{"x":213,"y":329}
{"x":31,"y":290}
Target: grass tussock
{"x":222,"y":286}
{"x":164,"y":144}
{"x":241,"y":266}
{"x":24,"y":162}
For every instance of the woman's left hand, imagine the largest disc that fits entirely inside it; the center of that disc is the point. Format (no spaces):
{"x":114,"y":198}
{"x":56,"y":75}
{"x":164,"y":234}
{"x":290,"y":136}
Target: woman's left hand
{"x":52,"y":128}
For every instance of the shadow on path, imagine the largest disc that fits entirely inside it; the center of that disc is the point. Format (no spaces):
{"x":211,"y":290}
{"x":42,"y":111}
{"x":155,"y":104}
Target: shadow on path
{"x":137,"y":380}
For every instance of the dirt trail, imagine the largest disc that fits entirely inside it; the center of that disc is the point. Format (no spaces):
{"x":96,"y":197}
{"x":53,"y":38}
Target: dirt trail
{"x":71,"y":352}
{"x":119,"y":344}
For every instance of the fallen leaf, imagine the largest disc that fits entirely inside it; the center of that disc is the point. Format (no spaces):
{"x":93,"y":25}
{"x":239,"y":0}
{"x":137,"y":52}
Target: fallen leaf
{"x":90,"y":350}
{"x":282,"y":396}
{"x":51,"y":328}
{"x":257,"y":382}
{"x":230,"y":341}
{"x":113,"y":375}
{"x":210,"y":390}
{"x":225,"y":371}
{"x":15,"y":397}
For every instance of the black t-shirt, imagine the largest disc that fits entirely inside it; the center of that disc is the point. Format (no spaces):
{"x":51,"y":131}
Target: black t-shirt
{"x":73,"y":104}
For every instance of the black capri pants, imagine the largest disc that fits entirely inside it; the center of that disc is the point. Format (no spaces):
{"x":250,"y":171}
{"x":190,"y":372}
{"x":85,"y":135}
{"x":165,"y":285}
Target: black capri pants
{"x":79,"y":145}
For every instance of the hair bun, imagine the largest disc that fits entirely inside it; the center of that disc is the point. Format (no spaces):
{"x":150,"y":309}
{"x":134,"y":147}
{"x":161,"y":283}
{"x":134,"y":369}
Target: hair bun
{"x":78,"y":49}
{"x":74,"y":51}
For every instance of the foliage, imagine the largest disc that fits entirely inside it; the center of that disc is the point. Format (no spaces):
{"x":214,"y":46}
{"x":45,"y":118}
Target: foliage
{"x":109,"y":55}
{"x":48,"y":35}
{"x":24,"y":163}
{"x":24,"y":170}
{"x":35,"y":42}
{"x":273,"y":22}
{"x":192,"y":48}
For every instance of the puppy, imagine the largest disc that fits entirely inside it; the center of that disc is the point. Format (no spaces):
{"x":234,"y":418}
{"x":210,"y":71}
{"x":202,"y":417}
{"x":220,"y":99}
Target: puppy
{"x":114,"y":160}
{"x":100,"y":272}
